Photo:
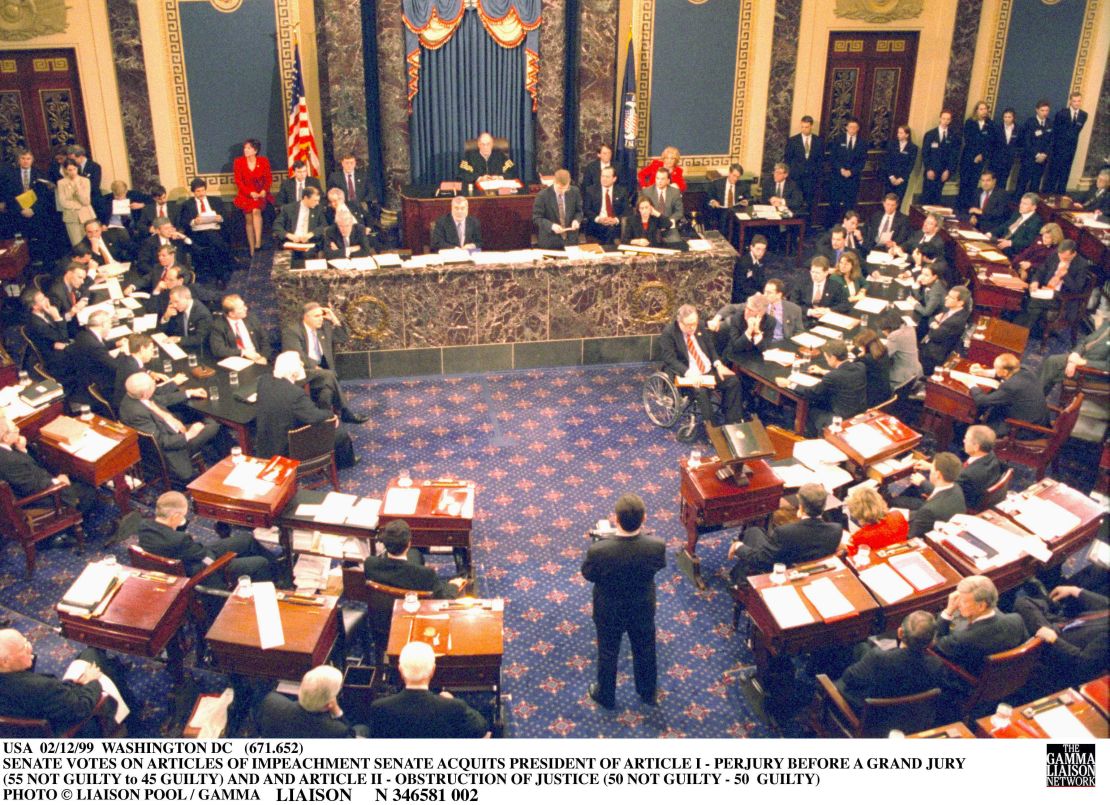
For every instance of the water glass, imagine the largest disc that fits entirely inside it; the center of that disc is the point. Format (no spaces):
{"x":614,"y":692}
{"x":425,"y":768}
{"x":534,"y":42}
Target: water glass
{"x":244,"y":590}
{"x":214,"y":394}
{"x":836,"y":424}
{"x":109,"y":561}
{"x":695,"y":458}
{"x":24,"y":380}
{"x":404,"y":479}
{"x":778,"y":573}
{"x":236,"y":455}
{"x":233,"y":379}
{"x":1001,"y":718}
{"x":412,"y":603}
{"x":85,"y":412}
{"x":167,"y":366}
{"x":863,"y":556}
{"x":192,"y":361}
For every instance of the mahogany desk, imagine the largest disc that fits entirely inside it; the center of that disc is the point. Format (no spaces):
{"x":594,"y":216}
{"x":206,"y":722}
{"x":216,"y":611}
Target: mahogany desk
{"x":506,"y":220}
{"x":431,"y":525}
{"x":769,"y":639}
{"x":14,"y":257}
{"x":956,"y":730}
{"x":1097,"y":692}
{"x":1024,"y":726}
{"x":933,"y":599}
{"x":143,"y":618}
{"x":900,"y":438}
{"x":112,"y":466}
{"x":471,"y":640}
{"x":1094,"y":244}
{"x":992,"y":337}
{"x":30,"y":424}
{"x":1005,"y":576}
{"x":707,"y":502}
{"x":948,"y":401}
{"x":738,"y":231}
{"x":214,"y":499}
{"x":310,"y":632}
{"x":288,"y":521}
{"x":9,"y":372}
{"x":1089,"y":513}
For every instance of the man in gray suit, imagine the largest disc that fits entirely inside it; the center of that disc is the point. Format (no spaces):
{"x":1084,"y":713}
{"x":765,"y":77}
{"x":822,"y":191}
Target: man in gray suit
{"x":315,"y":339}
{"x":789,"y":320}
{"x":557,"y":213}
{"x":666,"y":201}
{"x":1092,"y":351}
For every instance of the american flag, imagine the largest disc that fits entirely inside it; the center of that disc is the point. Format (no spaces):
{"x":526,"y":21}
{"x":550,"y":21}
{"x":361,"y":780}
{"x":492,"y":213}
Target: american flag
{"x":301,"y":144}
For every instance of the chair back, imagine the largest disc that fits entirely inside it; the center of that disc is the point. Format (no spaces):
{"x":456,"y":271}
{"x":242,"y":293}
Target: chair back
{"x":1003,"y":673}
{"x":909,"y":714}
{"x":40,"y":370}
{"x":30,"y":345}
{"x":11,"y":517}
{"x":884,"y":404}
{"x":25,"y":728}
{"x":155,"y":470}
{"x":499,"y":144}
{"x":996,"y":492}
{"x":97,"y":395}
{"x":145,"y":560}
{"x":314,"y":447}
{"x":1064,"y":425}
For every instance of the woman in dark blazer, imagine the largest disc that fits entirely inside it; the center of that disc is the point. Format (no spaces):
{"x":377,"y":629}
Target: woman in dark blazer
{"x":641,"y":228}
{"x":873,"y":355}
{"x":901,"y":155}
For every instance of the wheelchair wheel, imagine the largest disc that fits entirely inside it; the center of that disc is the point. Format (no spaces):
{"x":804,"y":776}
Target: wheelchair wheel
{"x":687,"y":430}
{"x":663,"y":403}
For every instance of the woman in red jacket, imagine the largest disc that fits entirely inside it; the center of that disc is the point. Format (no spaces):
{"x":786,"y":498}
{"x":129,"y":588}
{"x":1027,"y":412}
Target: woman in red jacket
{"x":878,"y":526}
{"x":253,"y":179}
{"x":668,"y":160}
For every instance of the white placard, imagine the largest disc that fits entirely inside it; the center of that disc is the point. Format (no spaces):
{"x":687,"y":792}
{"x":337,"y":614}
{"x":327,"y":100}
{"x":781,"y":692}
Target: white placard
{"x":270,"y":632}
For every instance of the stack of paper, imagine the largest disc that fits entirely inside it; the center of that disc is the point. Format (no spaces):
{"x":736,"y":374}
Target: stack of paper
{"x":786,"y":606}
{"x":245,"y":477}
{"x":972,"y":234}
{"x":235,"y":363}
{"x":335,"y":508}
{"x":890,"y":466}
{"x":310,"y":573}
{"x":827,"y":599}
{"x":1061,"y":724}
{"x":400,"y":501}
{"x":210,"y":718}
{"x":906,"y":305}
{"x":887,"y":584}
{"x":92,"y":445}
{"x":89,"y":589}
{"x":172,"y":350}
{"x":826,"y":332}
{"x":365,"y":513}
{"x":815,"y":452}
{"x":800,"y":379}
{"x":765,"y":211}
{"x":77,"y":669}
{"x":808,"y":340}
{"x":698,"y":245}
{"x":879,"y":258}
{"x":1045,"y":518}
{"x":782,"y":357}
{"x":870,"y":304}
{"x":833,"y":319}
{"x":917,"y":570}
{"x":970,"y":380}
{"x":1043,"y":293}
{"x":270,"y":632}
{"x":387,"y":260}
{"x":865,"y":440}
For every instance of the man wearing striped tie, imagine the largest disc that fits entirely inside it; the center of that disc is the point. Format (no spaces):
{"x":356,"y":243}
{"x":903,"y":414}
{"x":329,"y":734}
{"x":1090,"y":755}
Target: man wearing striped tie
{"x":238,"y":333}
{"x":689,"y":352}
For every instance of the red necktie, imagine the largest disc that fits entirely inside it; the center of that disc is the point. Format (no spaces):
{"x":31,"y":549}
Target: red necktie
{"x":161,"y":211}
{"x":692,"y":348}
{"x":238,"y":334}
{"x":608,"y":203}
{"x":203,"y":206}
{"x":72,"y":298}
{"x":1058,"y":277}
{"x":350,"y":187}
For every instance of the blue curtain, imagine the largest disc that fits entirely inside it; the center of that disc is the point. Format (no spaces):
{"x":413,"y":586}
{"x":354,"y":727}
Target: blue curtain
{"x":468,"y":86}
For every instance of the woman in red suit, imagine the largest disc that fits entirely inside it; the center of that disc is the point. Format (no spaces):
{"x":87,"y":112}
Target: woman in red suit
{"x":253,"y":178}
{"x":878,"y":526}
{"x":669,"y":160}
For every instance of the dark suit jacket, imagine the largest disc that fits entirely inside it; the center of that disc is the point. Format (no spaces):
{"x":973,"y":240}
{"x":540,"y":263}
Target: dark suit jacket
{"x":23,"y":474}
{"x":174,"y":445}
{"x":795,"y":157}
{"x":192,"y":331}
{"x":899,"y":228}
{"x":1065,"y":134}
{"x":333,"y":242}
{"x":915,"y":238}
{"x":853,"y":160}
{"x":364,"y":194}
{"x":834,"y":295}
{"x":802,"y":541}
{"x":92,"y":171}
{"x":44,"y":334}
{"x":997,"y":211}
{"x":221,"y":339}
{"x":591,"y":201}
{"x":897,"y":162}
{"x":969,"y":644}
{"x":938,"y":156}
{"x":1073,"y":281}
{"x":293,"y":337}
{"x":545,"y":212}
{"x":11,"y":185}
{"x":622,"y":570}
{"x":473,"y":165}
{"x":287,"y":193}
{"x":25,"y":694}
{"x":738,"y":341}
{"x":978,"y":142}
{"x":889,"y":674}
{"x":1025,"y":234}
{"x":286,"y":222}
{"x":281,"y":407}
{"x":940,"y":508}
{"x":148,"y":213}
{"x":747,"y":277}
{"x":825,"y":249}
{"x":172,"y":544}
{"x":1080,"y":652}
{"x":790,"y":191}
{"x":632,"y":229}
{"x":1004,"y":153}
{"x":407,"y":575}
{"x":87,"y":360}
{"x":793,"y":319}
{"x":843,"y":390}
{"x":281,"y":717}
{"x":672,"y":347}
{"x":1092,"y":200}
{"x":939,"y":342}
{"x":1020,"y":396}
{"x":189,"y":209}
{"x":1036,"y":138}
{"x":59,"y":297}
{"x":423,"y":714}
{"x":446,"y":236}
{"x":717,"y":191}
{"x":591,"y":176}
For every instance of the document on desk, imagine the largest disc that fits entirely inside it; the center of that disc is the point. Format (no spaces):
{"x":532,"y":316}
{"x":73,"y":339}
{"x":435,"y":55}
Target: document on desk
{"x":1044,"y":518}
{"x":832,"y":319}
{"x":971,"y":234}
{"x":364,"y":514}
{"x":77,"y":669}
{"x":235,"y":363}
{"x":828,"y":600}
{"x":786,"y":606}
{"x":401,"y":500}
{"x":270,"y":632}
{"x":245,"y":477}
{"x":335,"y":508}
{"x":117,"y":332}
{"x":870,"y":304}
{"x":885,"y":583}
{"x":84,"y":313}
{"x":794,"y":474}
{"x":782,"y":357}
{"x":815,"y":452}
{"x":970,"y":380}
{"x":906,"y":305}
{"x":879,"y":258}
{"x":92,"y":445}
{"x":802,"y":379}
{"x":90,"y":588}
{"x":865,"y":440}
{"x":808,"y":340}
{"x":917,"y":570}
{"x":173,"y":351}
{"x":146,"y":322}
{"x":210,"y":718}
{"x":1060,"y":723}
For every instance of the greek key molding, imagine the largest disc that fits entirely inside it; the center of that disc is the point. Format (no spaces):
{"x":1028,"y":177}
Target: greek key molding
{"x":998,"y":51}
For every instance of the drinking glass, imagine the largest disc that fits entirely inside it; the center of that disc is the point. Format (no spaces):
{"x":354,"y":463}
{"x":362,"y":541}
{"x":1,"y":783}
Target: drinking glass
{"x":236,"y":454}
{"x":233,"y":379}
{"x":412,"y":603}
{"x":863,"y":556}
{"x":778,"y":573}
{"x":214,"y":394}
{"x":167,"y":366}
{"x":192,"y":361}
{"x":244,"y":590}
{"x":404,"y":479}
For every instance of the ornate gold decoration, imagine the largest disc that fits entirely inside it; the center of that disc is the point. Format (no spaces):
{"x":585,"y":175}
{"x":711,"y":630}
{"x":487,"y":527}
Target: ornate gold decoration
{"x":884,"y":100}
{"x":653,"y":302}
{"x":13,"y":129}
{"x":998,"y":50}
{"x":27,"y":19}
{"x":7,"y":66}
{"x":57,"y":114}
{"x":843,"y":99}
{"x":226,"y":6}
{"x":879,"y":10}
{"x":1086,"y":39}
{"x":355,"y":313}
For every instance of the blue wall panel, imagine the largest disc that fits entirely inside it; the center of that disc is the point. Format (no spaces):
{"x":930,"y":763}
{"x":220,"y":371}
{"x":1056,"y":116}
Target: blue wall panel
{"x":234,"y":79}
{"x":1040,"y":55}
{"x":692,"y":75}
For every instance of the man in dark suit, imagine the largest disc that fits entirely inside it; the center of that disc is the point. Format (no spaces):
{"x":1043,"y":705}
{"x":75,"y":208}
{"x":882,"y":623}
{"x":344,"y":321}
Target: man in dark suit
{"x":896,"y":672}
{"x":416,"y":712}
{"x":33,"y":221}
{"x":315,"y":714}
{"x":605,"y":205}
{"x":484,"y":162}
{"x":803,"y":541}
{"x":354,"y":183}
{"x":68,"y":295}
{"x":789,"y":319}
{"x":1097,"y":198}
{"x":302,"y":223}
{"x":238,"y":333}
{"x":346,"y":238}
{"x":622,"y":569}
{"x":96,"y":243}
{"x":931,"y":289}
{"x":159,"y":207}
{"x":833,"y":244}
{"x":1022,"y":229}
{"x":818,"y":293}
{"x":946,"y":328}
{"x":169,"y":274}
{"x":458,"y":229}
{"x":557,"y":213}
{"x":940,"y":153}
{"x":26,"y":476}
{"x":666,"y":202}
{"x":804,"y":155}
{"x":945,"y":501}
{"x":591,"y":176}
{"x":138,"y":357}
{"x":725,"y":196}
{"x":1073,"y":624}
{"x":971,"y":628}
{"x":1036,"y":146}
{"x":178,"y":442}
{"x":88,"y":360}
{"x":283,"y":405}
{"x":929,"y":233}
{"x":990,"y":207}
{"x":848,"y":155}
{"x":746,"y":328}
{"x":783,"y":193}
{"x":979,"y":139}
{"x":1093,"y":351}
{"x":747,"y":272}
{"x":200,"y":218}
{"x":689,"y":351}
{"x":1018,"y":396}
{"x":887,"y":226}
{"x":186,"y":320}
{"x":314,"y":340}
{"x":1066,"y":128}
{"x":87,"y":168}
{"x":981,"y":470}
{"x":26,"y":694}
{"x":1008,"y":147}
{"x":292,"y":189}
{"x":47,"y":329}
{"x":404,"y":568}
{"x":146,"y":269}
{"x":1065,"y":272}
{"x":842,"y":392}
{"x":166,"y":536}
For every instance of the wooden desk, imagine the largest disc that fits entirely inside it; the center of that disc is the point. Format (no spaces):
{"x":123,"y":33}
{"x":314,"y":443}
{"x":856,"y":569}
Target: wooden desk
{"x":1005,"y":576}
{"x":899,"y":437}
{"x":142,"y":619}
{"x":992,"y":337}
{"x":932,"y":599}
{"x":288,"y":521}
{"x":471,"y":657}
{"x":506,"y":220}
{"x":708,"y":502}
{"x":30,"y":424}
{"x":112,"y":466}
{"x":1097,"y":692}
{"x":431,"y":525}
{"x":769,"y":639}
{"x":1023,"y":724}
{"x":14,"y":257}
{"x":234,"y":414}
{"x":955,"y":730}
{"x":310,"y":633}
{"x":1094,"y":244}
{"x":948,"y":400}
{"x":1090,"y":515}
{"x":229,"y":504}
{"x":739,"y":231}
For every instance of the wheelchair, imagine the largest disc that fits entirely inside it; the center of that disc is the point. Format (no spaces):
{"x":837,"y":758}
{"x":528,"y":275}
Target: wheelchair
{"x":666,"y":406}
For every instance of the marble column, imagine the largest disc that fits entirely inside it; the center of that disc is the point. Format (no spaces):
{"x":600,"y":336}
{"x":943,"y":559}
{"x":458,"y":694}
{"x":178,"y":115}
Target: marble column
{"x":597,"y":77}
{"x":393,"y":98}
{"x":1099,"y":149}
{"x":780,"y":84}
{"x":342,"y":79}
{"x":134,"y":98}
{"x":962,"y":56}
{"x":549,"y":94}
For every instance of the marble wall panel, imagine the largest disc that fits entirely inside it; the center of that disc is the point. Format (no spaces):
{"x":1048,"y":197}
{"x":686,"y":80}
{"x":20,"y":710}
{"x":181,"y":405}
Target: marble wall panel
{"x":780,"y":82}
{"x":512,"y":306}
{"x":441,"y":309}
{"x":582,"y":300}
{"x":597,"y":77}
{"x":342,"y":78}
{"x":652,"y":289}
{"x":134,"y":97}
{"x":394,"y":99}
{"x":962,"y":56}
{"x":550,"y":90}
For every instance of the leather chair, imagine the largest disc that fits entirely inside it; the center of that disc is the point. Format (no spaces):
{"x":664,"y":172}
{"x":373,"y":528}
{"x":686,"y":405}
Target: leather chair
{"x":11,"y":727}
{"x":145,"y":560}
{"x":106,"y":408}
{"x":1003,"y":674}
{"x":379,"y":600}
{"x":314,"y":447}
{"x":156,"y":473}
{"x":499,"y":144}
{"x":1092,"y":383}
{"x":834,"y":717}
{"x":29,"y":347}
{"x":1039,"y":453}
{"x":1065,"y":318}
{"x":30,"y":525}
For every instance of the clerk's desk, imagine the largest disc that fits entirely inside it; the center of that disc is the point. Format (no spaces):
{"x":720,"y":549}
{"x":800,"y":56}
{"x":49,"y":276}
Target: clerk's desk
{"x":112,"y":466}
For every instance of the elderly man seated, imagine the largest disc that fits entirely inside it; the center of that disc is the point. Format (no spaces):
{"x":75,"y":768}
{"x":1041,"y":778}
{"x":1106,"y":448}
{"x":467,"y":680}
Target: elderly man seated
{"x":971,"y":628}
{"x":315,"y":714}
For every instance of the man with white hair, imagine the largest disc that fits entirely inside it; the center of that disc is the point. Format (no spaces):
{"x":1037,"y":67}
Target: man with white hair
{"x":283,"y":404}
{"x":745,"y":328}
{"x":416,"y":712}
{"x":315,"y":714}
{"x":26,"y":476}
{"x":346,"y":237}
{"x":971,"y":628}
